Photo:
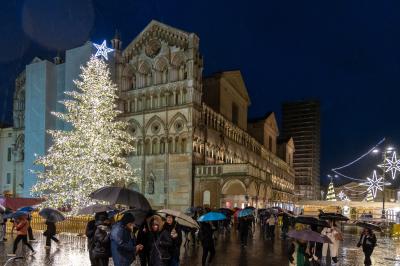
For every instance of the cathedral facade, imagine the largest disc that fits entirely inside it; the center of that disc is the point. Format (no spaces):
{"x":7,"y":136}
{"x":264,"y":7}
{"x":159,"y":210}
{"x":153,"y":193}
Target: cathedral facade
{"x":193,"y":142}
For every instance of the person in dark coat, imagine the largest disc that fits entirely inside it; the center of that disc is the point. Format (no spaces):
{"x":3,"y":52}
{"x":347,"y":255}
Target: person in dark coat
{"x":50,"y":233}
{"x":285,"y":225}
{"x":102,"y":242}
{"x":368,"y":243}
{"x":244,"y":224}
{"x":142,"y":238}
{"x":89,"y":232}
{"x":160,"y":242}
{"x":175,"y":231}
{"x":207,"y":241}
{"x":123,"y":246}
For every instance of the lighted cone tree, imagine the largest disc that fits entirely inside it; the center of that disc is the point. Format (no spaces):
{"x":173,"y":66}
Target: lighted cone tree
{"x":91,"y":155}
{"x":369,"y":197}
{"x":330,"y":196}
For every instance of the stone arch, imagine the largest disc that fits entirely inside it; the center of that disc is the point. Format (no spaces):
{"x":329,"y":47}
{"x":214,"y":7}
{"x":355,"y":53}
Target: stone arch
{"x":177,"y":59}
{"x":161,"y":64}
{"x":133,"y":124}
{"x":128,"y":78}
{"x":233,"y":187}
{"x":144,"y":67}
{"x":161,"y":71}
{"x":144,"y":75}
{"x":253,"y":189}
{"x":151,"y":121}
{"x":176,"y":117}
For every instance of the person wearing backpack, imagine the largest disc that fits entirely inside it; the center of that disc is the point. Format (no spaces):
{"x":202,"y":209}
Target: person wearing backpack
{"x":101,"y":242}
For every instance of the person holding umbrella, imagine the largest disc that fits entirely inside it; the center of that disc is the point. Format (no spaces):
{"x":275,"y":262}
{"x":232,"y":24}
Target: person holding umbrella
{"x":368,"y":243}
{"x":174,"y":230}
{"x":21,"y":225}
{"x":50,"y":233}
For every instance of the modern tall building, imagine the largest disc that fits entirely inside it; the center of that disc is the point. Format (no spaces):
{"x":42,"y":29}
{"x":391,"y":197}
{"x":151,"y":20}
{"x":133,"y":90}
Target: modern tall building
{"x":301,"y":120}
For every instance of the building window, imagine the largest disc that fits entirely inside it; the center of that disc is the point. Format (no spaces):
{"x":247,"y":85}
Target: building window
{"x":235,"y":114}
{"x":206,"y":197}
{"x":270,"y":143}
{"x":8,"y":178}
{"x":9,"y":154}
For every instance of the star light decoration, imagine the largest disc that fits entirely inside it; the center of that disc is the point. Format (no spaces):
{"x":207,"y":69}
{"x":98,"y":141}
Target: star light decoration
{"x":102,"y":50}
{"x":341,"y":195}
{"x":374,"y":184}
{"x":391,"y":165}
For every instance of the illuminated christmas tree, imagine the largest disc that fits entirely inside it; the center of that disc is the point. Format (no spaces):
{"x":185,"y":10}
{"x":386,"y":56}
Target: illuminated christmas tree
{"x":330,"y":196}
{"x":369,"y":197}
{"x":91,"y":155}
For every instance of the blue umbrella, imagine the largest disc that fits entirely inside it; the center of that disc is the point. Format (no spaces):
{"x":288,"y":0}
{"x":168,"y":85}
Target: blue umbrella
{"x":26,"y":209}
{"x":212,"y":216}
{"x":245,"y":212}
{"x":16,"y":214}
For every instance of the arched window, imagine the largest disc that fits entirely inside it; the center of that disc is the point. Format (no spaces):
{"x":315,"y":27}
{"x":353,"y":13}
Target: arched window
{"x":162,"y":146}
{"x":206,"y":197}
{"x":139,"y":148}
{"x":154,"y":147}
{"x":183,"y":146}
{"x":147,"y":147}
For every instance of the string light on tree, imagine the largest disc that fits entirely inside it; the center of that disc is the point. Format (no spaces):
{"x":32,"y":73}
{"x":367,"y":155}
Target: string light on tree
{"x":374,"y":184}
{"x":102,"y":50}
{"x":391,"y":165}
{"x":92,"y":154}
{"x":369,"y":197}
{"x":330,"y":196}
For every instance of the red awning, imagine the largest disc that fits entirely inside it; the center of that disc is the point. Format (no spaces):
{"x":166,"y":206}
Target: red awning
{"x":16,"y":203}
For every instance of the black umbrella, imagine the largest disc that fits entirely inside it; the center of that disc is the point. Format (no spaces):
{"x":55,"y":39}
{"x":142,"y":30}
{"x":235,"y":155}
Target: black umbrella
{"x":310,"y":220}
{"x":369,"y":225}
{"x":332,"y":216}
{"x":91,"y":209}
{"x":122,"y":195}
{"x":52,"y":215}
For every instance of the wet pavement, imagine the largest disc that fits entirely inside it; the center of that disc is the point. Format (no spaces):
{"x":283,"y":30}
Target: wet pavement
{"x":228,"y":252}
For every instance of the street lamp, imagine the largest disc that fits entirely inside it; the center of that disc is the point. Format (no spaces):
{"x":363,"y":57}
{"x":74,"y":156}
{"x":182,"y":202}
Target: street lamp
{"x":387,"y":165}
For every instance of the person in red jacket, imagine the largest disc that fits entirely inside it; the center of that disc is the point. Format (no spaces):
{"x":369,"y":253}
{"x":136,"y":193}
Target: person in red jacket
{"x":21,"y":225}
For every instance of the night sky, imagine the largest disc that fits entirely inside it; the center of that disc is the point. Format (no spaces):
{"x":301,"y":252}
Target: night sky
{"x":344,"y":53}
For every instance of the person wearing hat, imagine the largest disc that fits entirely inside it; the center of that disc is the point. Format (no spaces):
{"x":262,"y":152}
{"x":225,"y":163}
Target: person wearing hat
{"x":90,"y":231}
{"x":123,"y":246}
{"x":160,"y":243}
{"x":101,"y":241}
{"x":175,"y":232}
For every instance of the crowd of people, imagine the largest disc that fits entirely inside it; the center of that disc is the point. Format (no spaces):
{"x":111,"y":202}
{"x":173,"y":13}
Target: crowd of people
{"x":157,"y":240}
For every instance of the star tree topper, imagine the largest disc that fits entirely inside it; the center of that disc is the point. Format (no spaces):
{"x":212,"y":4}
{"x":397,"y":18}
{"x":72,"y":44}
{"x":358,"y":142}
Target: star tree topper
{"x":341,"y":195}
{"x":102,"y":50}
{"x":374,"y":184}
{"x":391,"y":165}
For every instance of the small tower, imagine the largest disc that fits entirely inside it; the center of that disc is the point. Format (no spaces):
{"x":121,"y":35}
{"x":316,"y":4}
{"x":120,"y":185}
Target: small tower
{"x":116,"y":42}
{"x":58,"y":59}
